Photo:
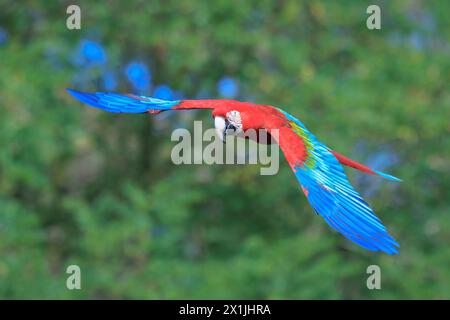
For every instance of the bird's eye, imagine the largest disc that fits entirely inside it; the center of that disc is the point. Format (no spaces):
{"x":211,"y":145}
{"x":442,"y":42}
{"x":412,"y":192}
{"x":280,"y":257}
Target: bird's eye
{"x":235,"y":122}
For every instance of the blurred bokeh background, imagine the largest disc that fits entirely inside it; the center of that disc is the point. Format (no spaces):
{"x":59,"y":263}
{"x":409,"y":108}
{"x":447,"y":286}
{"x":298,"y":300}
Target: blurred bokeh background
{"x":81,"y":186}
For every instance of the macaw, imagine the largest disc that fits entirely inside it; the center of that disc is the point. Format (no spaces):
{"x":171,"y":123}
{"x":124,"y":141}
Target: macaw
{"x":318,"y":168}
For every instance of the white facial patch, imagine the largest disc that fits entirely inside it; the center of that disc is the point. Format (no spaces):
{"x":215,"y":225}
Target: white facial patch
{"x":219,"y":124}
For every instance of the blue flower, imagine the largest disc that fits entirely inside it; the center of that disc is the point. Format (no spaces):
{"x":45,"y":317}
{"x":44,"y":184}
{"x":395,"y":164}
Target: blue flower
{"x":3,"y":36}
{"x":228,"y":87}
{"x":90,"y":53}
{"x":109,"y":79}
{"x":163,"y":92}
{"x":139,"y":75}
{"x":93,"y":52}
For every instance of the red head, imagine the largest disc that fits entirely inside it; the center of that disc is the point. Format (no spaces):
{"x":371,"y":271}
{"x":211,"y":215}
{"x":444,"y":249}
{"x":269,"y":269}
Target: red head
{"x":234,"y":117}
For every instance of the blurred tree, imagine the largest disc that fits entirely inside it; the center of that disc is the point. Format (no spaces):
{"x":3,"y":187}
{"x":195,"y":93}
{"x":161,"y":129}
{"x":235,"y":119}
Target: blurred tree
{"x":79,"y":186}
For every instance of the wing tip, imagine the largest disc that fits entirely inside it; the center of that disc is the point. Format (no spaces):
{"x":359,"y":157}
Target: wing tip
{"x":74,"y":93}
{"x":387,"y":244}
{"x":84,"y":97}
{"x":391,"y":251}
{"x":122,"y":103}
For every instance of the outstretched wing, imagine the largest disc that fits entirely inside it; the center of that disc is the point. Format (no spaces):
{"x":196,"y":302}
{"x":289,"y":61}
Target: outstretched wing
{"x":328,"y":190}
{"x":130,"y":103}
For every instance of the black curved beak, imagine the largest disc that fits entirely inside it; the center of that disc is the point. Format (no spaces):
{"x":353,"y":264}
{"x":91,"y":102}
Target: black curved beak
{"x":229,"y":129}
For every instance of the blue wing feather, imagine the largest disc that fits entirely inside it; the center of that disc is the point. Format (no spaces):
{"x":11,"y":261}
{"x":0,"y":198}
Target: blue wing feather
{"x":333,"y":197}
{"x":121,"y":103}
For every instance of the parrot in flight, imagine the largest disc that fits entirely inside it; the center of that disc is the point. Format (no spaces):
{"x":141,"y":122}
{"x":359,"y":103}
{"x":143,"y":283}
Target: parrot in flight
{"x":317,"y":168}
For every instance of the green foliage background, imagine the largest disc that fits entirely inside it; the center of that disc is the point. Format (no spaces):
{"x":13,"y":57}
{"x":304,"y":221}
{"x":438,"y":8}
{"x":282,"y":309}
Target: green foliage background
{"x":81,"y":186}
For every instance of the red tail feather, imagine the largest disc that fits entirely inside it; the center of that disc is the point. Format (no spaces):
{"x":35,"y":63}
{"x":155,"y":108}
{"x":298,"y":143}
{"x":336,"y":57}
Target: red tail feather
{"x":349,"y":162}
